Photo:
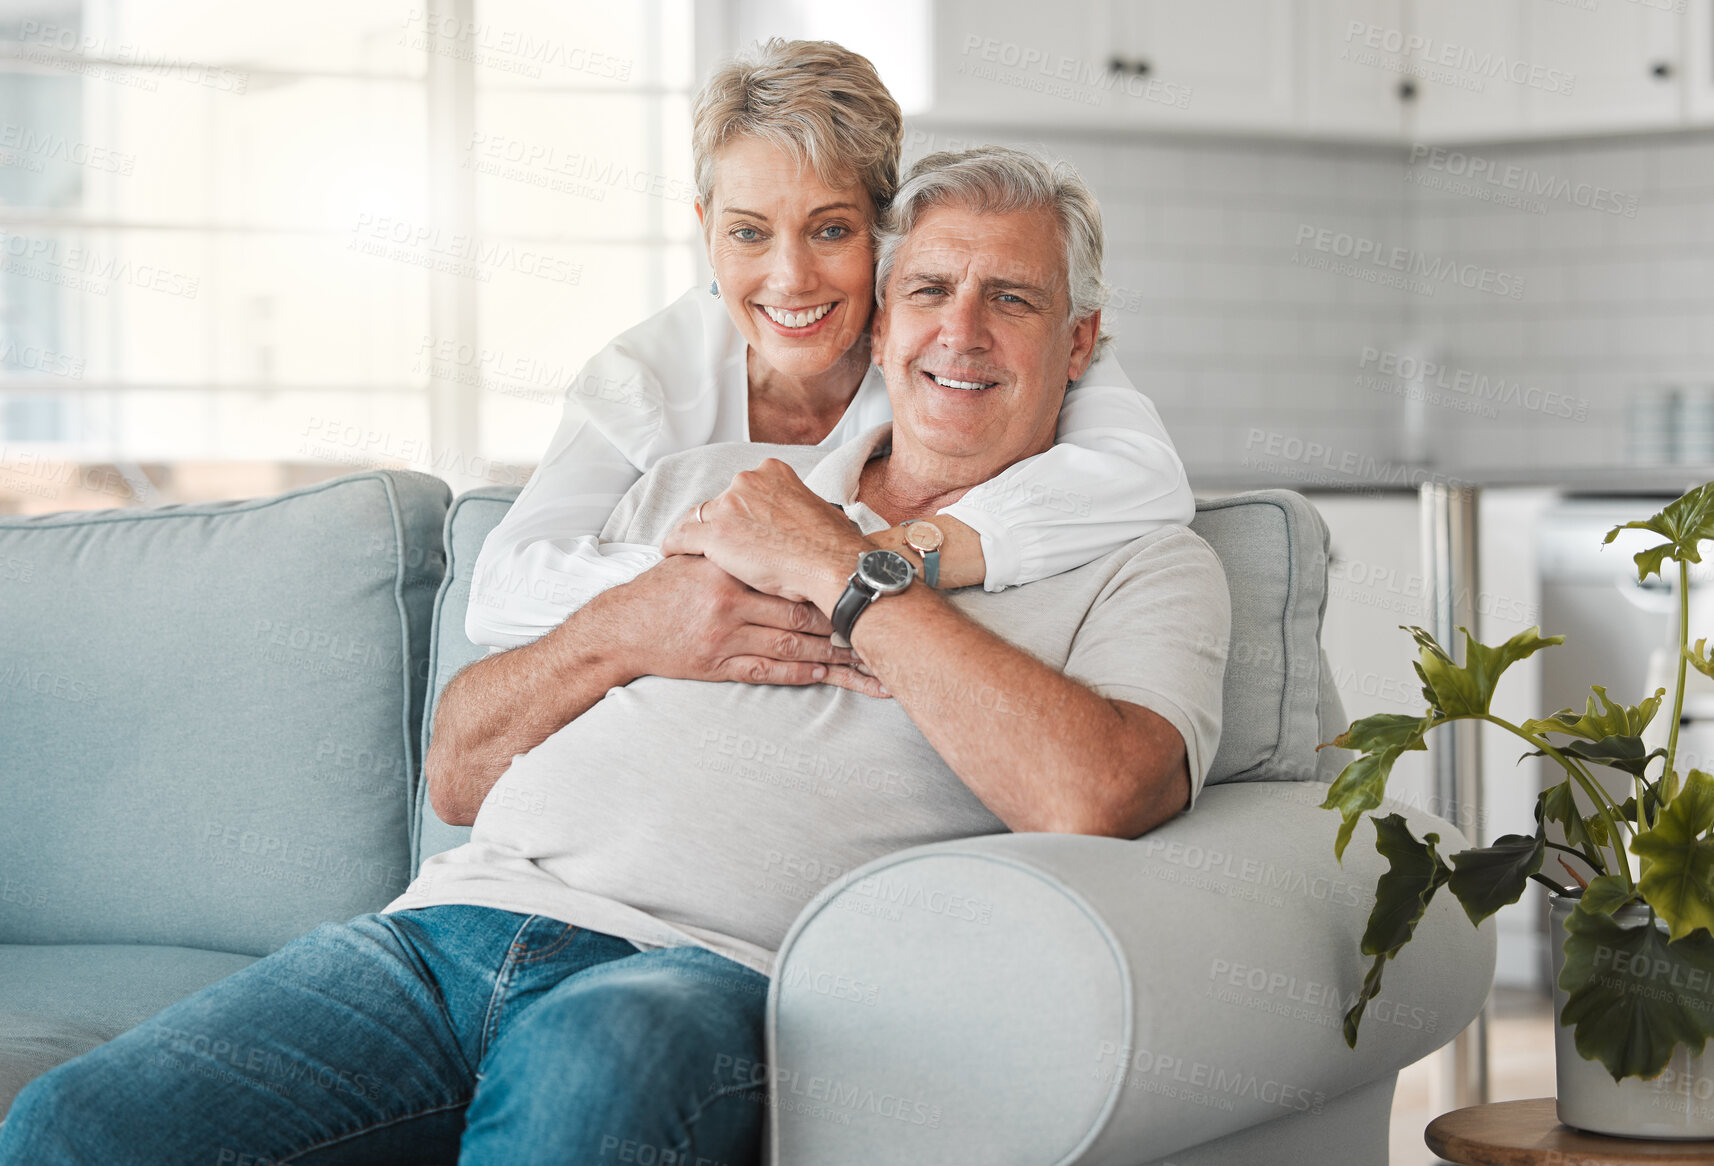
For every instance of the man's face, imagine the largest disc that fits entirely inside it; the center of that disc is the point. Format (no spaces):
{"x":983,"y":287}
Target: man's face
{"x":976,"y":339}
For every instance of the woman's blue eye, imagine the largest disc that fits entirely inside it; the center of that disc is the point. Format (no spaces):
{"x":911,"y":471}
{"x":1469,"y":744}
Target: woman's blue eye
{"x":835,"y":231}
{"x":747,"y":234}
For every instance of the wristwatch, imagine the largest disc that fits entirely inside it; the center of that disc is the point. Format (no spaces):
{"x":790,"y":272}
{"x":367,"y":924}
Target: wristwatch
{"x":878,"y":573}
{"x":925,"y":538}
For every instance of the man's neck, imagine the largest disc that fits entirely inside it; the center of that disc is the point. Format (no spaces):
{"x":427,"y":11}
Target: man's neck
{"x":898,"y":496}
{"x":908,"y":482}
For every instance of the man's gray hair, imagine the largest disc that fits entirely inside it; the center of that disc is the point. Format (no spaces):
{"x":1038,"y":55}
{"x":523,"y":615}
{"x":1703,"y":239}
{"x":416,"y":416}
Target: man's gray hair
{"x":998,"y":179}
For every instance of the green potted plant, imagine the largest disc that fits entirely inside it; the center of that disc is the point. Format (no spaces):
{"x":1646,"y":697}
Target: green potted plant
{"x":1633,"y":916}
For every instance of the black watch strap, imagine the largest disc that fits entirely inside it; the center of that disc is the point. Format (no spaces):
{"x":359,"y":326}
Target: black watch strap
{"x":853,"y":603}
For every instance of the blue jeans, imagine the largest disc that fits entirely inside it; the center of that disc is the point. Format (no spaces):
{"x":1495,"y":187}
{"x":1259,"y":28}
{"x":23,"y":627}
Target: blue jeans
{"x":438,"y":1034}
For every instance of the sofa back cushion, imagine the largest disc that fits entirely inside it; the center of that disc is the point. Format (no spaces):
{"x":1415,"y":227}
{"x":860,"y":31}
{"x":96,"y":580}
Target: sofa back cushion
{"x":209,"y":713}
{"x":468,"y":522}
{"x":1279,"y":702}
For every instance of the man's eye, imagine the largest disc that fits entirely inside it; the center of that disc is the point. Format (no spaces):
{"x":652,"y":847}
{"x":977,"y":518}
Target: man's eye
{"x":1012,"y":298}
{"x":929,"y":291}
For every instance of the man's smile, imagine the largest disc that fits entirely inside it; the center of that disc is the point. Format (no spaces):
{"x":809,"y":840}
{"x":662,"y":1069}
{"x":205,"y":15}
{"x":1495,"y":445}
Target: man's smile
{"x":973,"y":382}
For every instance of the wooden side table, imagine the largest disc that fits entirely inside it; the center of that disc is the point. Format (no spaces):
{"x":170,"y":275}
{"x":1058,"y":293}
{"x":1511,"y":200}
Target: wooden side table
{"x":1528,"y":1133}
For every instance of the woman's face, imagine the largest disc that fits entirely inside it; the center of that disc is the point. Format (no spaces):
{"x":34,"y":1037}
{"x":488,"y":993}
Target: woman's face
{"x":794,"y":257}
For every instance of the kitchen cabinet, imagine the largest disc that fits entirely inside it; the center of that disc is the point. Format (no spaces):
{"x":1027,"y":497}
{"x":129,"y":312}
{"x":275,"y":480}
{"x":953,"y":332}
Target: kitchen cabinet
{"x":1351,"y":87}
{"x":1008,"y":63}
{"x":1625,"y":65}
{"x":1454,"y":103}
{"x":1699,"y":62}
{"x":1225,"y":63}
{"x":1217,"y":64}
{"x":1400,"y":71}
{"x":1523,"y":70}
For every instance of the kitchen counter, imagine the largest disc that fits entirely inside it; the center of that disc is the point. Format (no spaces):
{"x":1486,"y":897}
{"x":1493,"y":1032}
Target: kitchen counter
{"x":1668,"y":480}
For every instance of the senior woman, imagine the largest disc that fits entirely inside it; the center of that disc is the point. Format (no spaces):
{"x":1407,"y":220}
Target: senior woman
{"x":797,"y":155}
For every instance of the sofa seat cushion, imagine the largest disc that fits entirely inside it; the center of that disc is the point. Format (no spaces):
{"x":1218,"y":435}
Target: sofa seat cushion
{"x":58,"y":1001}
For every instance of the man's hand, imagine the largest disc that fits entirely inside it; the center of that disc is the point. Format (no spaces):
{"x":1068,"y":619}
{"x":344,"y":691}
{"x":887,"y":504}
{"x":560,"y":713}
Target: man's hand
{"x":694,"y":621}
{"x":772,"y":532}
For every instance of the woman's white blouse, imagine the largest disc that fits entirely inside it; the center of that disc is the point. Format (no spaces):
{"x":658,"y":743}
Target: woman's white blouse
{"x":679,"y":380}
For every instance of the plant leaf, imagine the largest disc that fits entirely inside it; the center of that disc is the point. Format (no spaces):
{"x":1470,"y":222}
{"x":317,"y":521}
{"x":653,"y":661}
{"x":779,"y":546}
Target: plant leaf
{"x":1606,"y":894}
{"x":1632,"y":997}
{"x":1684,"y":522}
{"x":1624,"y":753}
{"x":1487,"y":878}
{"x":1612,"y":720}
{"x":1595,"y":826}
{"x":1698,"y":657}
{"x":1382,"y":731}
{"x":1362,"y":784}
{"x":1402,"y":895}
{"x":1455,"y":691}
{"x":1679,"y":879}
{"x":1558,"y":803}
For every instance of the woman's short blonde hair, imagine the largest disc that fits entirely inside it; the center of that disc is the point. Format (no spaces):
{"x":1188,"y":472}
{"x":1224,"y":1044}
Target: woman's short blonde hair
{"x":823,"y":104}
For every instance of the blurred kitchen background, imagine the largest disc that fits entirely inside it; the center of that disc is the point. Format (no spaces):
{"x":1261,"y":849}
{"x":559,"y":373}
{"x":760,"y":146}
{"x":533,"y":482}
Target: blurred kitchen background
{"x":1356,"y":246}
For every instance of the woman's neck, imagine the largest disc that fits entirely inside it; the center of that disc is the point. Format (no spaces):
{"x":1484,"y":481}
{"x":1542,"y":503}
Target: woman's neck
{"x":792,"y":410}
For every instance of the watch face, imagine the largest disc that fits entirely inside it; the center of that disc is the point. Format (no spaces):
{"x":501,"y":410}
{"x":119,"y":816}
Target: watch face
{"x":885,"y":571}
{"x":924,"y":536}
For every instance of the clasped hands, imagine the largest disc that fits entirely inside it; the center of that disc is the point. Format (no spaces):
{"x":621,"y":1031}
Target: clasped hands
{"x":743,"y":592}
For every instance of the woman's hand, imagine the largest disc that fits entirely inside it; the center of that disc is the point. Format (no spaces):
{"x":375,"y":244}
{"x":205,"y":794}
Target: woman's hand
{"x":774,"y":533}
{"x":689,"y":619}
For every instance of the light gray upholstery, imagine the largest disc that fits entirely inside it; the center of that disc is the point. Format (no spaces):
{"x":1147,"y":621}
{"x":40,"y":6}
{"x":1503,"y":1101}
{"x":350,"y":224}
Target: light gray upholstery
{"x":1273,"y":546}
{"x":178,"y":684}
{"x":971,"y":1001}
{"x":468,"y":522}
{"x":209,"y":718}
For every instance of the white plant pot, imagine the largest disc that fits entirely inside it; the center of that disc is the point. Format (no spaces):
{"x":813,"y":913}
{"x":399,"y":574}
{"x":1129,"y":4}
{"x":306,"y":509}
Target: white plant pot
{"x":1677,"y":1104}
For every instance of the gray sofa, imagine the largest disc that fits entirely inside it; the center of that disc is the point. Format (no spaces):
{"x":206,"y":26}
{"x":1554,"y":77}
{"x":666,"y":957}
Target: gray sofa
{"x":211,"y":725}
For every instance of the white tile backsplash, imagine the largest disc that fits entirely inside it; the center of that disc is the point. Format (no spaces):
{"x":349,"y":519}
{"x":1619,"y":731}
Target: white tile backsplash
{"x":1615,"y":302}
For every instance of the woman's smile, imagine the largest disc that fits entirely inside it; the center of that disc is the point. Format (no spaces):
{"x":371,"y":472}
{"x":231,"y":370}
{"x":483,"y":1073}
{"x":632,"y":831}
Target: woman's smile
{"x":799,"y":321}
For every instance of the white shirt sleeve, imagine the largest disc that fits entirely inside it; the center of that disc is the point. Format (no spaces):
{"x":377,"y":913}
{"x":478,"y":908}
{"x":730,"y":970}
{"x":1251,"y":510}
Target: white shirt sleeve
{"x":1112,"y":477}
{"x":652,"y":391}
{"x":544,"y":560}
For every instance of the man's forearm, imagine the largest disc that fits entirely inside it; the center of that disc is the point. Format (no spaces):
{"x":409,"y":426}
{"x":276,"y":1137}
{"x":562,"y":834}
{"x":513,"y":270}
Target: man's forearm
{"x":1042,"y":751}
{"x":507,"y":704}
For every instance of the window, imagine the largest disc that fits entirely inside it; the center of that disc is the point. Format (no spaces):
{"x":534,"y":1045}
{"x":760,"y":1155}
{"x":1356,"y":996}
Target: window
{"x":247,"y":246}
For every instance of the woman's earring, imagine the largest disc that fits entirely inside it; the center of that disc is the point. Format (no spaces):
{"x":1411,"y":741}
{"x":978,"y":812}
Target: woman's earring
{"x":714,"y":288}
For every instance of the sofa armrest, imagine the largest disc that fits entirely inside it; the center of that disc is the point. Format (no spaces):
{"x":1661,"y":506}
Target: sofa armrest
{"x":1056,"y":998}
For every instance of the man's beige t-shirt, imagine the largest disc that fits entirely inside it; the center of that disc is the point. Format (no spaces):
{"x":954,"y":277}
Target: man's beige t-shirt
{"x":678,"y":812}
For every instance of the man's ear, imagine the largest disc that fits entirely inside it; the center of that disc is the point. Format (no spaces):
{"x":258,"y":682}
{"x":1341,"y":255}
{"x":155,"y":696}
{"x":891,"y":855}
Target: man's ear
{"x":877,"y":334}
{"x":1084,"y":334}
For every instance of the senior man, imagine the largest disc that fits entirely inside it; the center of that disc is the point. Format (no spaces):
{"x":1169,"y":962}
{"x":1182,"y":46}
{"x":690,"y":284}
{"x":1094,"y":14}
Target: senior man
{"x":582,"y":981}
